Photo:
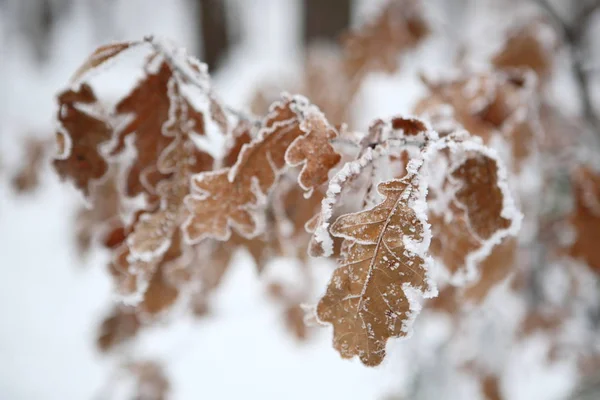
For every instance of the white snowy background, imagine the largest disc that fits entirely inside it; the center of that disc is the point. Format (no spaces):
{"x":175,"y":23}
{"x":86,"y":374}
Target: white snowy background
{"x":51,"y":303}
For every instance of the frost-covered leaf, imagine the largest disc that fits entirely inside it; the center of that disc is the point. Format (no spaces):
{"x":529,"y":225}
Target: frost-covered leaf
{"x":180,"y":160}
{"x":314,"y":152}
{"x":492,"y":105}
{"x":475,"y":218}
{"x":236,"y":196}
{"x":370,"y":297}
{"x":146,"y":110}
{"x":100,"y":222}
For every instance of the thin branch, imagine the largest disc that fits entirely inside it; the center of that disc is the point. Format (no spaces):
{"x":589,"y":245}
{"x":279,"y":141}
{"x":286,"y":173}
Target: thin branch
{"x":573,"y":36}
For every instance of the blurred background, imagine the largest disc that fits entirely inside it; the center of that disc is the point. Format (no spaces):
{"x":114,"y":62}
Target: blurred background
{"x":52,"y":298}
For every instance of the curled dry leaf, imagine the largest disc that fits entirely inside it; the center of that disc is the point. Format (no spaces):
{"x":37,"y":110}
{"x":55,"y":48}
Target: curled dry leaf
{"x":146,"y":112}
{"x":153,"y":141}
{"x":373,"y":295}
{"x":100,"y":56}
{"x":496,"y":104}
{"x":82,"y":129}
{"x":466,"y":229}
{"x":368,"y":298}
{"x":236,"y":196}
{"x":181,"y":159}
{"x":314,"y":152}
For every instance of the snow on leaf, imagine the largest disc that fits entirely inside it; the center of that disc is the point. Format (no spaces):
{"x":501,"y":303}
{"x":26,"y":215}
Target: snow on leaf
{"x":496,"y":104}
{"x":474,"y":221}
{"x":81,"y":131}
{"x":147,"y":108}
{"x":367,"y":299}
{"x":496,"y":267}
{"x":236,"y":196}
{"x":152,"y":234}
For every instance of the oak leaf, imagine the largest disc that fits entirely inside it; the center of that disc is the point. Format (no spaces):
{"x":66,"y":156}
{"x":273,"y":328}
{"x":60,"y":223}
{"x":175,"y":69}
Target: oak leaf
{"x":314,"y":152}
{"x":82,"y":129}
{"x":474,"y":221}
{"x":369,"y":298}
{"x":236,"y":196}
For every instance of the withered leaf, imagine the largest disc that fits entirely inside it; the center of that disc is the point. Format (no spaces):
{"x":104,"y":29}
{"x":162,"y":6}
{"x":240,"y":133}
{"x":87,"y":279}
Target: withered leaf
{"x":159,"y":295}
{"x":100,"y":56}
{"x":79,"y":136}
{"x":236,"y":196}
{"x":368,"y":299}
{"x":462,"y":231}
{"x":147,"y":108}
{"x":498,"y":104}
{"x":314,"y":152}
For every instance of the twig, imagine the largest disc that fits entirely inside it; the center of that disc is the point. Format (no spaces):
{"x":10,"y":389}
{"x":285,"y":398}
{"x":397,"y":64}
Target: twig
{"x":574,"y":35}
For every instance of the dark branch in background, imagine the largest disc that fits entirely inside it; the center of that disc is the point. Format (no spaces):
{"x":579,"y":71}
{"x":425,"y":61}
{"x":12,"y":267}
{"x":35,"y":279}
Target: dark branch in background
{"x":574,"y":36}
{"x":325,"y":20}
{"x":214,"y":33}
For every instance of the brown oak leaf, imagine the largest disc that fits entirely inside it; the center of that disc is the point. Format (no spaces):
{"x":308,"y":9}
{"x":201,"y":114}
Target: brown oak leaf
{"x":367,"y":299}
{"x":79,"y":136}
{"x":463,"y":229}
{"x":236,"y":196}
{"x":314,"y":152}
{"x":147,"y":109}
